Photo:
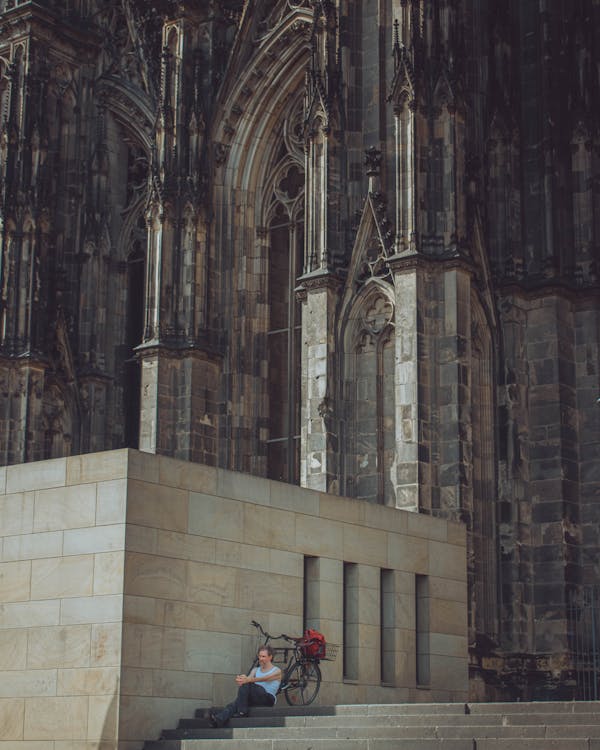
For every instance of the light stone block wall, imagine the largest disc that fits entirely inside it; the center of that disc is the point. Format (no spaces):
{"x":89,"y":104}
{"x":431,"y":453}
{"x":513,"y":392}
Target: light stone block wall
{"x":128,"y":582}
{"x":62,"y":554}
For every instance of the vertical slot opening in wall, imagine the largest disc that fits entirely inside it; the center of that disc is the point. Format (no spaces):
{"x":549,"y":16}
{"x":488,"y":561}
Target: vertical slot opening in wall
{"x":387,"y":619}
{"x":422,"y":630}
{"x":350,"y":621}
{"x":310,"y":601}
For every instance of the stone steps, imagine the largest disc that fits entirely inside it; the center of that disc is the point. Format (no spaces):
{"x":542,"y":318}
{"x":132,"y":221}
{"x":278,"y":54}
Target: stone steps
{"x":376,"y":744}
{"x":457,"y":726}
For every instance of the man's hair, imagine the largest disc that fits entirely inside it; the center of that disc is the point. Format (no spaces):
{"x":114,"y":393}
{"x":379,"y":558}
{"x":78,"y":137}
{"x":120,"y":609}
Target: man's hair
{"x":266,"y":648}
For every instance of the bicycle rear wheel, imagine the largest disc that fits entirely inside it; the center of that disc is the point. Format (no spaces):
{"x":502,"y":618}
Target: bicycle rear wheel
{"x":303,"y":684}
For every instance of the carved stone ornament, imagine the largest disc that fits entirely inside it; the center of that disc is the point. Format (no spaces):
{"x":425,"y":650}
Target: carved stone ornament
{"x":274,"y":19}
{"x":378,"y":315}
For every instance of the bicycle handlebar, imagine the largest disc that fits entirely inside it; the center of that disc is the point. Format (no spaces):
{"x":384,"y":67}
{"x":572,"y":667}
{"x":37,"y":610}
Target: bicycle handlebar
{"x":270,"y":637}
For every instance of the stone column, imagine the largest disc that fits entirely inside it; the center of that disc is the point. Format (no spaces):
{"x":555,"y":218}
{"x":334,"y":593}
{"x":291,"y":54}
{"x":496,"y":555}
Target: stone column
{"x":554,"y":483}
{"x":180,"y":371}
{"x":433,"y":421}
{"x":406,"y":384}
{"x":325,"y":605}
{"x":453,"y":395}
{"x":368,"y":592}
{"x":398,"y":629}
{"x":178,"y":403}
{"x":320,"y":427}
{"x":149,"y":414}
{"x":21,"y":414}
{"x":94,"y":390}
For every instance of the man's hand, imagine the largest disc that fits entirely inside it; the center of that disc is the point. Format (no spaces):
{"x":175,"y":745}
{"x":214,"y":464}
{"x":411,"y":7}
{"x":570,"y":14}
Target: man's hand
{"x":241,"y":679}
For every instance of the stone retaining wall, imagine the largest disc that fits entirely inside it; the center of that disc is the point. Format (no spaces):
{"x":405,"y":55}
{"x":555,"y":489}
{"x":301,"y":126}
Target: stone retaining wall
{"x":128,"y":582}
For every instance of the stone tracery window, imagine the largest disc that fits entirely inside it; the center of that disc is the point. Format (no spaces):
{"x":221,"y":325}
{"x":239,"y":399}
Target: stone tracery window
{"x":286,"y":242}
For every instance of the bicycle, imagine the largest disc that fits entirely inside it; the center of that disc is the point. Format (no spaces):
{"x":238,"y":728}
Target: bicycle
{"x":300,"y":671}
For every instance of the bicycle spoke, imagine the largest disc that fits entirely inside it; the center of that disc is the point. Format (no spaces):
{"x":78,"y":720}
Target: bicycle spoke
{"x":303,"y":684}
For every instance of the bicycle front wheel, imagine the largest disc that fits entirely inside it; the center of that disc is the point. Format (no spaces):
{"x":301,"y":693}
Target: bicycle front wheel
{"x":303,"y":684}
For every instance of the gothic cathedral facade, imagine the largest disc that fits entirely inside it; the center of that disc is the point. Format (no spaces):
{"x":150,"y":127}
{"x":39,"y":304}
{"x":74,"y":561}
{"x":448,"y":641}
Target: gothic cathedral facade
{"x":348,"y":244}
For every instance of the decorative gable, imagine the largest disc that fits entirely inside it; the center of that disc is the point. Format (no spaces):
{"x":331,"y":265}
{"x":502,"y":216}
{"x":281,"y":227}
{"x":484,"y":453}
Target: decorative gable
{"x":373,"y":244}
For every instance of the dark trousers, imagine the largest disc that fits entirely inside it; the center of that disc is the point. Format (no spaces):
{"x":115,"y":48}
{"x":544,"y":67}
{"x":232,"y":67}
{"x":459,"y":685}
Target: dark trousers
{"x":249,"y":694}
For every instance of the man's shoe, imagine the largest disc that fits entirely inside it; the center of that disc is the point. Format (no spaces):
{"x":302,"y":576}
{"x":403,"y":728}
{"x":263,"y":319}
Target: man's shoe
{"x":213,"y":721}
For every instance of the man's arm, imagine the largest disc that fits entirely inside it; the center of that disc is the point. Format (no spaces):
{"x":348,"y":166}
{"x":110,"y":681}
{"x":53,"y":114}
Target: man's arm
{"x":274,"y":675}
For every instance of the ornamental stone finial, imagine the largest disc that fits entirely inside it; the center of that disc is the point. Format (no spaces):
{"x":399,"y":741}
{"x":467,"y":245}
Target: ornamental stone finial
{"x":373,"y":165}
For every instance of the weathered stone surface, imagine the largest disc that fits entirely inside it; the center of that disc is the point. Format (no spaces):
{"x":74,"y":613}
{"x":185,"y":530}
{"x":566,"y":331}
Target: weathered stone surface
{"x":200,"y":260}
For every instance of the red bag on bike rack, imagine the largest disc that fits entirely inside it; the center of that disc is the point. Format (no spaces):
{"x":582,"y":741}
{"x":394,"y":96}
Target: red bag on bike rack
{"x":314,"y":644}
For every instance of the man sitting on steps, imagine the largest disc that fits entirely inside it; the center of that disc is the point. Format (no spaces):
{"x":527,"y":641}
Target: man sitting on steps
{"x":259,"y":688}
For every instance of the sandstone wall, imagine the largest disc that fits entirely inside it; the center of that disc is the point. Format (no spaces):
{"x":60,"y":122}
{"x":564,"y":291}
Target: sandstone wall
{"x":128,"y":582}
{"x":62,"y":553}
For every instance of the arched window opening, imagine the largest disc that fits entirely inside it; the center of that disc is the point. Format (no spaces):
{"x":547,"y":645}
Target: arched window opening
{"x":4,"y":94}
{"x":134,"y":331}
{"x":283,"y":340}
{"x":173,"y":47}
{"x":370,"y":375}
{"x":484,"y":533}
